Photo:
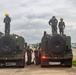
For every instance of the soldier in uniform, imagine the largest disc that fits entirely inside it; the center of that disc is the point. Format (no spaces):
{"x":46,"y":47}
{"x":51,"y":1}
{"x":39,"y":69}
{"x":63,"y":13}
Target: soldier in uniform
{"x":7,"y":21}
{"x":29,"y":55}
{"x":39,"y":50}
{"x":37,"y":54}
{"x":61,"y":26}
{"x":53,"y":22}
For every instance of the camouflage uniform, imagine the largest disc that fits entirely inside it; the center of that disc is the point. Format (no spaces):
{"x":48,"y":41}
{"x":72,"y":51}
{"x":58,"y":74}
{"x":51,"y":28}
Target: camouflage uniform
{"x":29,"y":55}
{"x":61,"y":27}
{"x":7,"y":21}
{"x":53,"y":22}
{"x":37,"y":54}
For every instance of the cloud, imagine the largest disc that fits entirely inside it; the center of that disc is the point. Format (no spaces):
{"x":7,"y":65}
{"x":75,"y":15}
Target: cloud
{"x":30,"y":18}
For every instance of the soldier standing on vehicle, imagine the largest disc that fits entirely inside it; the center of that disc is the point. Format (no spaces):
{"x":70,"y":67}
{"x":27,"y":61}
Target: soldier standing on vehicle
{"x":7,"y":21}
{"x":29,"y":55}
{"x":61,"y":26}
{"x":53,"y":22}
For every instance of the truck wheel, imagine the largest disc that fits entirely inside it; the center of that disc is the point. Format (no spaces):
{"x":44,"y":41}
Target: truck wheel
{"x":68,"y":63}
{"x":23,"y":64}
{"x":20,"y":64}
{"x":42,"y":66}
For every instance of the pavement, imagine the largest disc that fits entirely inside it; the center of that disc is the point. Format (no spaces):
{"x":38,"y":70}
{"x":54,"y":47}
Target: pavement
{"x":37,"y":70}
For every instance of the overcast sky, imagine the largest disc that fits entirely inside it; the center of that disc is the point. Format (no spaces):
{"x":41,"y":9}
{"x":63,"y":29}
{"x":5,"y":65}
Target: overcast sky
{"x":30,"y":17}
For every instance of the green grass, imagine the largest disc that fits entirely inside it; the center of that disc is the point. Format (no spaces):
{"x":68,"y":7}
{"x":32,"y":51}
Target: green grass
{"x":74,"y":62}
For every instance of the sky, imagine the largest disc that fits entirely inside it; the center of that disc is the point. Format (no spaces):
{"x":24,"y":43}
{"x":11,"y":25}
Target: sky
{"x":30,"y":17}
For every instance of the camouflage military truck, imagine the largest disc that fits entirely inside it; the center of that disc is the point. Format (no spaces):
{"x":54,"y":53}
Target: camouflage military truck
{"x":56,"y":50}
{"x":12,"y":51}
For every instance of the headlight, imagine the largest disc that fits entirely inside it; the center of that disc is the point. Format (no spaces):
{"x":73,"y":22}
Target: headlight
{"x":16,"y":37}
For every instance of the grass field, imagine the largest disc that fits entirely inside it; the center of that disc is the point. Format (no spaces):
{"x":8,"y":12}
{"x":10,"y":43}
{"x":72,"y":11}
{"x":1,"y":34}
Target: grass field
{"x":74,"y":62}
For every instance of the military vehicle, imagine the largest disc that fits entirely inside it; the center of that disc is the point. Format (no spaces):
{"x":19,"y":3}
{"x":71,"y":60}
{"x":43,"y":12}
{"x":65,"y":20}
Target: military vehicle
{"x":12,"y":52}
{"x":56,"y":50}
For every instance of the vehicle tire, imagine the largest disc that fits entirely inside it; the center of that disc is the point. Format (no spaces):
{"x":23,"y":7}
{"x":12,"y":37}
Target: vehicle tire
{"x":36,"y":61}
{"x":42,"y":66}
{"x":7,"y":44}
{"x":57,"y":44}
{"x":20,"y":64}
{"x":68,"y":63}
{"x":23,"y":64}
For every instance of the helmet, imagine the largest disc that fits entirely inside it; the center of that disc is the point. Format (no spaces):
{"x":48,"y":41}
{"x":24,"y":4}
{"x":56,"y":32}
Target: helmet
{"x":6,"y":14}
{"x":61,"y":18}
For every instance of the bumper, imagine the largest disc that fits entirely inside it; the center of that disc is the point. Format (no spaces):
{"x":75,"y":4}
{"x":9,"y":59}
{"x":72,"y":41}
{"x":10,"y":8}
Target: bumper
{"x":48,"y":62}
